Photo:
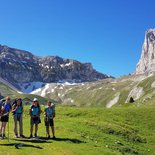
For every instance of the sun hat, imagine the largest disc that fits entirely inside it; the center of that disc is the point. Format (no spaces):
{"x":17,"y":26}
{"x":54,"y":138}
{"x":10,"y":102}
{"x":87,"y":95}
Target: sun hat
{"x":35,"y":99}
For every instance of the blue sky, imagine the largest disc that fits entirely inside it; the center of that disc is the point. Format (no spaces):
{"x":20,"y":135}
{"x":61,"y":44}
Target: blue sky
{"x":107,"y":33}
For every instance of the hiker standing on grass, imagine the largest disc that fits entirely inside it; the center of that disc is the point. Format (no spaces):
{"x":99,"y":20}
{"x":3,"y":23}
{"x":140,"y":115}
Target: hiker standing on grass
{"x":35,"y":112}
{"x":17,"y":110}
{"x":49,"y":116}
{"x":5,"y":109}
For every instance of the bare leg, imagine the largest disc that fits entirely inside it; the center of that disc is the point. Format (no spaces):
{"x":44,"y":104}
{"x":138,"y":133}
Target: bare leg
{"x":21,"y":125}
{"x":47,"y":131}
{"x":15,"y":126}
{"x":1,"y":128}
{"x":4,"y":126}
{"x":53,"y":131}
{"x":36,"y":129}
{"x":31,"y":130}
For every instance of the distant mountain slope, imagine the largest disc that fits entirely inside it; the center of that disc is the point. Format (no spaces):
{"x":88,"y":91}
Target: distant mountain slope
{"x":7,"y":90}
{"x":103,"y":93}
{"x":107,"y":93}
{"x":18,"y":67}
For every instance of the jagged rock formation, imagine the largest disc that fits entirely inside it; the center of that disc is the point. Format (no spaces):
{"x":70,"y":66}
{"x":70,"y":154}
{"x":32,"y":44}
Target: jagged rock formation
{"x":146,"y":63}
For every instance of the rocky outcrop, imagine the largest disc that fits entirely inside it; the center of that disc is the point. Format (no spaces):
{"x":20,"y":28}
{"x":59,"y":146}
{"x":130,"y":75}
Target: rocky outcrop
{"x":114,"y":100}
{"x":146,"y":63}
{"x":135,"y":93}
{"x":18,"y":66}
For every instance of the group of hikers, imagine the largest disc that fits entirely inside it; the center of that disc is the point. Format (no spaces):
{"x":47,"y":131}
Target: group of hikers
{"x":16,"y":107}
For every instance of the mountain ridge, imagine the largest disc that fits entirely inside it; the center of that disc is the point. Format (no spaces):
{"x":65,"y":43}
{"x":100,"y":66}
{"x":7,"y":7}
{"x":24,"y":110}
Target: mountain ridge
{"x":20,"y":66}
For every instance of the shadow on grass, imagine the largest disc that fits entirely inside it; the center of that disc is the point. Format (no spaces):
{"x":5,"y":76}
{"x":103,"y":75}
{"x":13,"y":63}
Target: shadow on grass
{"x":77,"y":141}
{"x":33,"y":140}
{"x":18,"y":145}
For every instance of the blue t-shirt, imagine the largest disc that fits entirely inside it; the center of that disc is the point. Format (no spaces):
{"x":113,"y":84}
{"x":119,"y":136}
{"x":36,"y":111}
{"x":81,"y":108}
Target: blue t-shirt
{"x":19,"y":110}
{"x":7,"y":107}
{"x":49,"y":111}
{"x":35,"y":111}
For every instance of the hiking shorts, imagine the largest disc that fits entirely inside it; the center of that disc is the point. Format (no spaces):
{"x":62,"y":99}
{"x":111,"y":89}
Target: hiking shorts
{"x":17,"y":117}
{"x":4,"y":118}
{"x":35,"y":120}
{"x":49,"y":122}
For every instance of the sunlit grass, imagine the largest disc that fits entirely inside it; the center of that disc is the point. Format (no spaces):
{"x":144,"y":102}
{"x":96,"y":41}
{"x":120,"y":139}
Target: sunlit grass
{"x":129,"y":130}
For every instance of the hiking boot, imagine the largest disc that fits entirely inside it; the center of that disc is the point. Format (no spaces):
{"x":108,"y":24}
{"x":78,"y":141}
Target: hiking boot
{"x":31,"y":136}
{"x":22,"y":136}
{"x":1,"y":137}
{"x":16,"y":136}
{"x":35,"y":135}
{"x":53,"y":137}
{"x":48,"y":137}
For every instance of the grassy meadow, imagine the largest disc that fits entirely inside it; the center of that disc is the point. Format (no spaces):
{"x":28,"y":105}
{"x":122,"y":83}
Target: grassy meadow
{"x":116,"y":131}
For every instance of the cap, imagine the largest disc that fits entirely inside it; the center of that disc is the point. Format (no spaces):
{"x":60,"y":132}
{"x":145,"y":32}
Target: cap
{"x":35,"y":99}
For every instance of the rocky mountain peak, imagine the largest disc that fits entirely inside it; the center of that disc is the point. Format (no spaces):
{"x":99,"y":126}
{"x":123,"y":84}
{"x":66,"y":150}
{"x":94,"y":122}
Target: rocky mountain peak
{"x":19,"y":66}
{"x":146,"y":63}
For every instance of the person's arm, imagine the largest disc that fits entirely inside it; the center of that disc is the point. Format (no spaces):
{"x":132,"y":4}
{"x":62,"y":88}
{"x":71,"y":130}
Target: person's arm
{"x":14,"y":108}
{"x":3,"y":107}
{"x":53,"y":111}
{"x":53,"y":114}
{"x":0,"y":110}
{"x":5,"y":114}
{"x":45,"y":114}
{"x":39,"y":112}
{"x":30,"y":112}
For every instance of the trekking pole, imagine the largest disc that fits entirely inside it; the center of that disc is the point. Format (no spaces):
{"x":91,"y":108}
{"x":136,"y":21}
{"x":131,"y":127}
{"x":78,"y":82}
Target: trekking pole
{"x":46,"y":132}
{"x":8,"y":129}
{"x":46,"y":128}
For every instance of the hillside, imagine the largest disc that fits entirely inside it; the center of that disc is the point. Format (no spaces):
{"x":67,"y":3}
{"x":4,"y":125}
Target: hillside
{"x":107,"y":93}
{"x":103,"y":93}
{"x":5,"y":90}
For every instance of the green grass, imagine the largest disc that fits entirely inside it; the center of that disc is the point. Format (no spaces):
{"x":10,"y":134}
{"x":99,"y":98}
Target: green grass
{"x":148,"y":97}
{"x":97,"y":94}
{"x":116,"y":131}
{"x":30,"y":97}
{"x":5,"y":90}
{"x":94,"y":94}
